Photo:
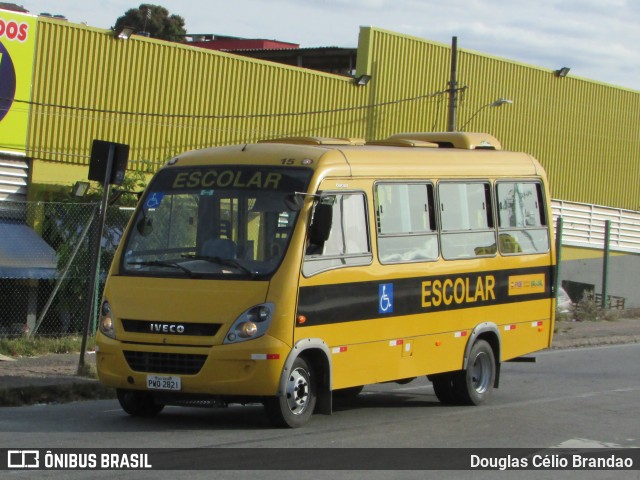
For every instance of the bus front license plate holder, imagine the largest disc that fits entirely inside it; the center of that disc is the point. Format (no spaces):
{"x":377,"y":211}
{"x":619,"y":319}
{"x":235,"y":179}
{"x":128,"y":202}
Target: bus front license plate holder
{"x":158,"y":382}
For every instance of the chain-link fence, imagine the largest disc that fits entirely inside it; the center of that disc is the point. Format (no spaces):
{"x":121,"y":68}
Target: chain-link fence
{"x":45,"y":263}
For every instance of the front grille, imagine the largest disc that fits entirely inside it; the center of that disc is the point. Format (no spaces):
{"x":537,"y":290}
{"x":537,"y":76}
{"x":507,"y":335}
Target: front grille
{"x":172,"y":363}
{"x":171,"y":328}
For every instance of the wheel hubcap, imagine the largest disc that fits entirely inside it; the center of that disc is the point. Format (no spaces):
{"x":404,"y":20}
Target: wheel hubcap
{"x":298,"y":391}
{"x":480,"y":373}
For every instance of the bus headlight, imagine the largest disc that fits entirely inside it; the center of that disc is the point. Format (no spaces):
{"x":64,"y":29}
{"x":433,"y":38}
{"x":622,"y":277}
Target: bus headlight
{"x":253,"y":323}
{"x":106,"y":320}
{"x":248,"y":330}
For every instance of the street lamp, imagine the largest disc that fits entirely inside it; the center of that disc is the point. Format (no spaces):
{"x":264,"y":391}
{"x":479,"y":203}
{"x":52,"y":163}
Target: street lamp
{"x":497,"y":103}
{"x":362,"y":80}
{"x":80,"y":189}
{"x":125,"y":33}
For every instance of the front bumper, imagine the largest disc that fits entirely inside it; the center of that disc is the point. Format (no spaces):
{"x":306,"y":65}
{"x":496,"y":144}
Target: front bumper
{"x":251,"y":368}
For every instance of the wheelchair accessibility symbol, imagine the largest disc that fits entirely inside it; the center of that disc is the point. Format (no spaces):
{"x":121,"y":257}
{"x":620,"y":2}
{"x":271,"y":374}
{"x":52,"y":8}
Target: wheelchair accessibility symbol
{"x":385,"y":298}
{"x":154,"y":200}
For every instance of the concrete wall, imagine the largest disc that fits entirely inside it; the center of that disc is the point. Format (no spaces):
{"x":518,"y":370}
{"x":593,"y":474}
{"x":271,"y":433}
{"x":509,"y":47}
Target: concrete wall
{"x":582,"y":265}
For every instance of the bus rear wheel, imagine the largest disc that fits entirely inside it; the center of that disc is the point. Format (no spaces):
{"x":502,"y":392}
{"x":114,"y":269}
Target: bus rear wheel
{"x":138,"y":404}
{"x":295,"y":407}
{"x":474,"y":385}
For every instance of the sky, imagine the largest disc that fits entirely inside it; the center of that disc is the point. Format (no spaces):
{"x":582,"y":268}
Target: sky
{"x":598,"y":39}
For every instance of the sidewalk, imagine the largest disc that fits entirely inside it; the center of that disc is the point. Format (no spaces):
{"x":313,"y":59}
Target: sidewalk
{"x":588,"y":334}
{"x":54,"y":378}
{"x":48,"y":379}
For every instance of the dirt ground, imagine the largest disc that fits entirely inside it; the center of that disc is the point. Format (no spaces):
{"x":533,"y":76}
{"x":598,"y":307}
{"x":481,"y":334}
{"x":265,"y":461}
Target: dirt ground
{"x":581,"y":334}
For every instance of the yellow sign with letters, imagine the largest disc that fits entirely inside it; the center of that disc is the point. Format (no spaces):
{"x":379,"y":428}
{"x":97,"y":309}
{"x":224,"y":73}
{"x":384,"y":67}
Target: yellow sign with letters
{"x":526,"y":284}
{"x":227,"y":178}
{"x":17,"y":49}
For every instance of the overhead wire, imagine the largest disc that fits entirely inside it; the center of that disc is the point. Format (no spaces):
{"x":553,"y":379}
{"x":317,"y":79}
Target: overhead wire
{"x":228,"y":116}
{"x":94,"y":114}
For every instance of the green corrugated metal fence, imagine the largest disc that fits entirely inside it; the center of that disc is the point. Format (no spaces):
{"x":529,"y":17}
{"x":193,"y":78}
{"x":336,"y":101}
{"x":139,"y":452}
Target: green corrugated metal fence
{"x":164,"y":98}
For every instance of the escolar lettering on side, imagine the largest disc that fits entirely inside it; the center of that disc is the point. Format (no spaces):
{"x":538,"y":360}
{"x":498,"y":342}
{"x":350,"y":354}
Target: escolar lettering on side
{"x":458,"y":290}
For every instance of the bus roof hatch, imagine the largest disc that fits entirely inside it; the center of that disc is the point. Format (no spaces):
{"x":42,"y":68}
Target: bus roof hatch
{"x":316,"y":141}
{"x":463,"y":140}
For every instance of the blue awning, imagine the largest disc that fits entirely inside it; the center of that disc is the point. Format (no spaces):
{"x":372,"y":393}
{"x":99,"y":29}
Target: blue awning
{"x":24,"y":254}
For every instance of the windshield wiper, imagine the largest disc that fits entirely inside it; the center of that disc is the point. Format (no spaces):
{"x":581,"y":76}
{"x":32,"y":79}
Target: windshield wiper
{"x":227,"y":262}
{"x":160,"y":263}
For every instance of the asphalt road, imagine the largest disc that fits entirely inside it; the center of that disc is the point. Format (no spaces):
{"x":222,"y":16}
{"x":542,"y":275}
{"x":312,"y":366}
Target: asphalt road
{"x":577,"y":398}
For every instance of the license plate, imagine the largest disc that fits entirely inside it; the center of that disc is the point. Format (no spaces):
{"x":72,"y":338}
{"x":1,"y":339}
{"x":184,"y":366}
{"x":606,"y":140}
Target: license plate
{"x":157,"y":382}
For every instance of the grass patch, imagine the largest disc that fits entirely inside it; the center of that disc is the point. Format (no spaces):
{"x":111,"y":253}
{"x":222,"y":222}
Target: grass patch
{"x":32,"y":347}
{"x":588,"y":310}
{"x":88,"y":370}
{"x":563,"y":323}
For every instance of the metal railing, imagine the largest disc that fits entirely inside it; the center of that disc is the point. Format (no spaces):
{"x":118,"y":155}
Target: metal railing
{"x":584,"y":225}
{"x":45,"y":290}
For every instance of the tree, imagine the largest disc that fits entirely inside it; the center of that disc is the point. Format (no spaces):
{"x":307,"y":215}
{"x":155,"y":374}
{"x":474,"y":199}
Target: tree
{"x":66,"y":227}
{"x":155,"y":20}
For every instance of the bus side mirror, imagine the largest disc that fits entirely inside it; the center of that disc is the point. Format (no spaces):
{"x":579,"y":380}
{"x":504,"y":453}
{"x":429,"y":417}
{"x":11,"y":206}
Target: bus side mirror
{"x":320,"y":227}
{"x":294,"y":202}
{"x":144,"y":226}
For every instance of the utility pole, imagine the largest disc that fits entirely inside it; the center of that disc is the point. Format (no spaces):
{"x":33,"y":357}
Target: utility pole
{"x":605,"y":263}
{"x":107,"y":164}
{"x":453,"y":86}
{"x":97,"y":240}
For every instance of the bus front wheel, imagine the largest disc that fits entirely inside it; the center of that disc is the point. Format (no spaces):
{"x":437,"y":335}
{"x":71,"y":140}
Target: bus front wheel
{"x":138,"y":404}
{"x":295,"y":407}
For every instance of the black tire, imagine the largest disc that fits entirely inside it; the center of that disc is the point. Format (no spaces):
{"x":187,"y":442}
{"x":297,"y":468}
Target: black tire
{"x":443,"y":386}
{"x":350,"y":392}
{"x":138,"y":404}
{"x":295,"y":407}
{"x":475,"y":384}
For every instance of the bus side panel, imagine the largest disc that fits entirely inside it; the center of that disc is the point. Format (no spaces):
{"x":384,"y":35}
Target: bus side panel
{"x":373,"y":351}
{"x":528,"y":332}
{"x":394,"y":358}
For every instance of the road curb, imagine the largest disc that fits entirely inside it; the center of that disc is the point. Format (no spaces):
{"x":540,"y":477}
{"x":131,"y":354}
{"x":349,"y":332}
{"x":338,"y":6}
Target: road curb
{"x":82,"y":389}
{"x":595,"y":342}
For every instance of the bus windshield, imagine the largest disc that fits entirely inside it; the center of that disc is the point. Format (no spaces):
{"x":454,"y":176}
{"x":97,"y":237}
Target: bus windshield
{"x":214,"y":222}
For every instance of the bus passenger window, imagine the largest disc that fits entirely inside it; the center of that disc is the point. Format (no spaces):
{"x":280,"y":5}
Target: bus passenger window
{"x":466,"y":220}
{"x":348,"y":241}
{"x":406,"y":224}
{"x":522,"y":220}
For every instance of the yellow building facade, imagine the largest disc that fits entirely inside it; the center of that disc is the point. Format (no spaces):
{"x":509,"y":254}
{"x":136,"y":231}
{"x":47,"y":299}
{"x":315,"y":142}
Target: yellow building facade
{"x":163,"y":98}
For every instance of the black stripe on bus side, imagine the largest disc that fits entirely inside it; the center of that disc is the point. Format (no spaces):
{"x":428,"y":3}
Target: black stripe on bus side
{"x":349,"y":302}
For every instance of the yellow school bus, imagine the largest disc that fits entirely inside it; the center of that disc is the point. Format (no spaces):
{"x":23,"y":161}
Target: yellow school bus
{"x":287,"y":271}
